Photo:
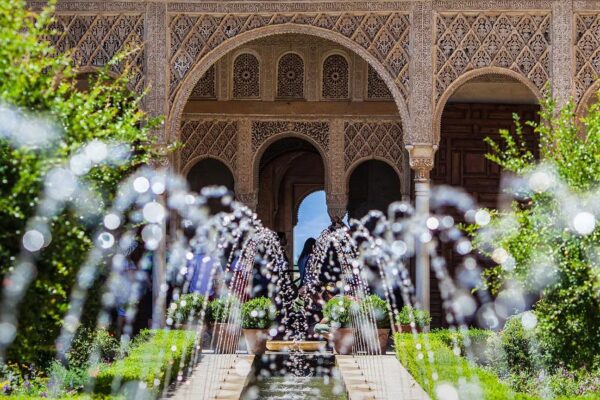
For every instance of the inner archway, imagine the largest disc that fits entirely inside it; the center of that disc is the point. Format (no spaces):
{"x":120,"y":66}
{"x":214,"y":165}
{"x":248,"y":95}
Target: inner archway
{"x":373,"y":185}
{"x":478,"y":108}
{"x":209,"y":172}
{"x":289,"y":170}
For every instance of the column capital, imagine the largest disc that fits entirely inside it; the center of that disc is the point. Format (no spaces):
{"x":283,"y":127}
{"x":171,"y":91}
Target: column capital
{"x":336,"y":205}
{"x":421,"y":159}
{"x":249,"y":199}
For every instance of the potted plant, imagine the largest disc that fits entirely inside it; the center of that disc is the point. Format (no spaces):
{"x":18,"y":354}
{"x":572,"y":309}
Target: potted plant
{"x":338,"y":312}
{"x":188,"y":311}
{"x":408,"y":315}
{"x":224,"y":313}
{"x":258,"y":316}
{"x":376,"y":308}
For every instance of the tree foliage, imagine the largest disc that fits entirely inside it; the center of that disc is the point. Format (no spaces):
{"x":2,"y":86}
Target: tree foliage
{"x":39,"y":81}
{"x":546,"y":254}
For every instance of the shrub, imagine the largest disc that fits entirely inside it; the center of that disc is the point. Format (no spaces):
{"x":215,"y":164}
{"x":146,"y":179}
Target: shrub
{"x":36,"y":78}
{"x":339,"y":310}
{"x":375,"y":307}
{"x":222,"y":309}
{"x":549,"y":257}
{"x":409,"y":314}
{"x":87,"y":343}
{"x":188,"y":308}
{"x":64,"y":379}
{"x":258,"y":313}
{"x":469,"y":380}
{"x":154,"y":362}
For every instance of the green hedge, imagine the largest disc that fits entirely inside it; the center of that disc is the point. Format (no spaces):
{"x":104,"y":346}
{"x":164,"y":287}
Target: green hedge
{"x":159,"y":356}
{"x":449,"y":367}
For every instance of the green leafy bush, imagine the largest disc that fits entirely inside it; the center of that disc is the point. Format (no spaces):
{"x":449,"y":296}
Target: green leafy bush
{"x":66,"y":380}
{"x":548,"y":257}
{"x":87,"y":342}
{"x":409,"y":314}
{"x":258,"y":313}
{"x":188,"y":308}
{"x":154,"y":362}
{"x":222,"y":309}
{"x":36,"y":79}
{"x":375,"y":307}
{"x":339,"y":310}
{"x":469,"y":380}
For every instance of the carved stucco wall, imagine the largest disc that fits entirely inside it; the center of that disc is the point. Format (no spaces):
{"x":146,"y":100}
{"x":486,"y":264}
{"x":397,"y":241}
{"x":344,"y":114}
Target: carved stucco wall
{"x":94,"y":40}
{"x":554,"y":40}
{"x":385,"y":36}
{"x":208,"y":138}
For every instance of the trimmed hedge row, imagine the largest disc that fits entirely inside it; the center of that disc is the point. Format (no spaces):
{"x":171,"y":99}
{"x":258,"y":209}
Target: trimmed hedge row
{"x":154,"y":363}
{"x":451,"y":368}
{"x":448,"y":366}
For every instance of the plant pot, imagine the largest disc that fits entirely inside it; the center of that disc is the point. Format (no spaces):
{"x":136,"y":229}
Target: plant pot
{"x":256,"y":340}
{"x":343,"y":340}
{"x":225,"y":338}
{"x":383,"y":336}
{"x":408,"y":329}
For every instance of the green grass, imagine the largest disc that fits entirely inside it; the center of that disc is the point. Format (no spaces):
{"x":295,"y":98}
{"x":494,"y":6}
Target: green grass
{"x":156,"y":360}
{"x":454,"y":369}
{"x":449,"y":367}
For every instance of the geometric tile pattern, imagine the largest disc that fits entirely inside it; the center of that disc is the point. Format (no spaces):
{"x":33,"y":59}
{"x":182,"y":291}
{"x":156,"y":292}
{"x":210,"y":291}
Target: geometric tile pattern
{"x":467,"y":41}
{"x":375,"y":138}
{"x":209,"y":137}
{"x":96,"y":39}
{"x":384,"y":35}
{"x":587,"y":52}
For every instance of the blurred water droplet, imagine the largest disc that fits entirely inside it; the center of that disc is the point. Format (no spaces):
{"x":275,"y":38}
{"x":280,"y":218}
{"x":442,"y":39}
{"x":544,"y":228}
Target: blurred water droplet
{"x":154,"y":212}
{"x":33,"y":240}
{"x":584,"y":223}
{"x":112,"y":221}
{"x":141,"y":184}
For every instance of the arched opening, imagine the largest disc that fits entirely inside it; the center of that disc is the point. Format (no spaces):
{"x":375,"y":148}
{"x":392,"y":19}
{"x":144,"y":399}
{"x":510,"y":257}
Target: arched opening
{"x":311,"y":218}
{"x":289,"y":170}
{"x":479,"y":108}
{"x":373,"y":185}
{"x":209,"y":172}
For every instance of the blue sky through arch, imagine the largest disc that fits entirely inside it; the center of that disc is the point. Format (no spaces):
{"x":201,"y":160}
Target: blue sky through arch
{"x":312,"y":220}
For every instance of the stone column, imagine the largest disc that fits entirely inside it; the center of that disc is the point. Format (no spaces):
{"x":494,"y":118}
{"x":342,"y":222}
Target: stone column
{"x":335,"y":181}
{"x":421,"y":162}
{"x":155,"y":104}
{"x":244,"y":172}
{"x":563,"y":56}
{"x":419,"y":139}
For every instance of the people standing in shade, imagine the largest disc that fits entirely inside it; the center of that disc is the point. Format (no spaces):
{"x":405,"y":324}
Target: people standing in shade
{"x":303,"y":264}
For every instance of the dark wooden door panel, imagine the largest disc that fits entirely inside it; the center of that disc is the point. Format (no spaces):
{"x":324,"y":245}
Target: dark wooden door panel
{"x":460,"y":161}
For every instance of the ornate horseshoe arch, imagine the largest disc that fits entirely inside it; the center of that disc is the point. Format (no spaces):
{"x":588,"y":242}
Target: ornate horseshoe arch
{"x":185,"y":82}
{"x":263,"y":145}
{"x":437,"y":119}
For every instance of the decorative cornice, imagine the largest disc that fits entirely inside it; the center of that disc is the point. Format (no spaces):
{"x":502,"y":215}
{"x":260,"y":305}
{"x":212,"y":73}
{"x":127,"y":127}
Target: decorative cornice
{"x":93,"y":6}
{"x":291,"y":7}
{"x":498,"y":5}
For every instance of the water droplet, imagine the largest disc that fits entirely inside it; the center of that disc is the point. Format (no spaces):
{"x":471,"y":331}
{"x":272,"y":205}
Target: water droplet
{"x":33,"y":240}
{"x":584,"y":223}
{"x":482,"y":217}
{"x":112,"y":221}
{"x":154,"y":212}
{"x":141,"y":184}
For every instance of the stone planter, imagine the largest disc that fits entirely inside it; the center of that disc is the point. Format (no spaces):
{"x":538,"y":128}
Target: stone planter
{"x":408,"y":329}
{"x":383,"y":336}
{"x":256,"y":340}
{"x":225,"y":338}
{"x":343,"y":340}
